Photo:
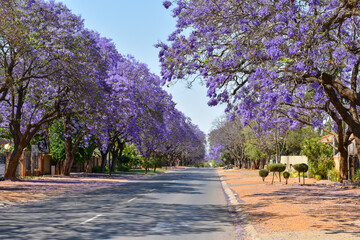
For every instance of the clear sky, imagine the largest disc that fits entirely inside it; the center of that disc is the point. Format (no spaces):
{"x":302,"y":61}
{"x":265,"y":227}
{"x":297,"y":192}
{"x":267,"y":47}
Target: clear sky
{"x":136,"y":26}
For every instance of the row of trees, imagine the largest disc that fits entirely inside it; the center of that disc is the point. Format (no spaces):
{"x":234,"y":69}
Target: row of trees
{"x":246,"y":146}
{"x":281,"y":64}
{"x":67,"y":85}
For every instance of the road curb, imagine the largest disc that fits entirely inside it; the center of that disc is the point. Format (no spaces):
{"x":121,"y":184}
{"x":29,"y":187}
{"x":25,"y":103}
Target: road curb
{"x":249,"y":229}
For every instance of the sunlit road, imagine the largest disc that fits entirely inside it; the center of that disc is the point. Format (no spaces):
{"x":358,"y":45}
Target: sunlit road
{"x":187,"y":204}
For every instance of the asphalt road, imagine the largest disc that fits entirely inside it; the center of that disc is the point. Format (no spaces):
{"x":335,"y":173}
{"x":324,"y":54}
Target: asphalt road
{"x":187,"y":204}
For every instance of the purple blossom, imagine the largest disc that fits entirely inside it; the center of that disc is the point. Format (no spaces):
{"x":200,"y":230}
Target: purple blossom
{"x":315,"y":85}
{"x":167,"y":4}
{"x":299,"y":66}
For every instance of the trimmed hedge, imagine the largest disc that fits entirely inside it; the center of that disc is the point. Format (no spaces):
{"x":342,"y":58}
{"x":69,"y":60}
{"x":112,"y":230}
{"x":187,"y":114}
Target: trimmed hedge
{"x":277,"y":167}
{"x":263,"y":173}
{"x":286,"y":175}
{"x":301,"y":168}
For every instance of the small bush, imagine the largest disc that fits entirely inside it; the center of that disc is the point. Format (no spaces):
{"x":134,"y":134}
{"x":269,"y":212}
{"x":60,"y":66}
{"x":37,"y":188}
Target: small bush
{"x":301,"y":168}
{"x":277,"y":167}
{"x":123,"y":168}
{"x":263,"y":173}
{"x":333,"y":175}
{"x":286,"y":175}
{"x":296,"y":174}
{"x":96,"y":169}
{"x":356,"y":176}
{"x":318,"y":177}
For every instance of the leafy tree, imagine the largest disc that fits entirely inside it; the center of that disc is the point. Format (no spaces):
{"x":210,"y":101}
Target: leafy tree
{"x":320,"y":157}
{"x":272,"y":60}
{"x":48,"y":74}
{"x":156,"y":163}
{"x":131,"y":156}
{"x":57,"y":144}
{"x":295,"y":139}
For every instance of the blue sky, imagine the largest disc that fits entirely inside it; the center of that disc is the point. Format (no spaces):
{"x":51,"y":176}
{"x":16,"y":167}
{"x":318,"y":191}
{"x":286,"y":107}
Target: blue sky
{"x":135,"y":26}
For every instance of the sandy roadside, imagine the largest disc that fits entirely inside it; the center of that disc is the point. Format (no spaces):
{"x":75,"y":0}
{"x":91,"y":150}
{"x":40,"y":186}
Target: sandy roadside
{"x":293,"y":211}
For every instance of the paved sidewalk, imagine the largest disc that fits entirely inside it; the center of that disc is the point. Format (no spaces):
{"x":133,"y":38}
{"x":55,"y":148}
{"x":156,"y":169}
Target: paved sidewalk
{"x":316,"y":210}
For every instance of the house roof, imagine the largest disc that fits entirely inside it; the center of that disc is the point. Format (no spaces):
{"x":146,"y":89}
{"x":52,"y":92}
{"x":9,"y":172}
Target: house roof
{"x":4,"y":141}
{"x":327,"y":138}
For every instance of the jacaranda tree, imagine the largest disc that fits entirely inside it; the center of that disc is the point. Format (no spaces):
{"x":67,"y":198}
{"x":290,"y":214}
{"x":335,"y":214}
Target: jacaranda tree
{"x":255,"y":54}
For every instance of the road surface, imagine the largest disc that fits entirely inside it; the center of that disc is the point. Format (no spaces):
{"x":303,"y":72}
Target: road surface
{"x":187,"y":204}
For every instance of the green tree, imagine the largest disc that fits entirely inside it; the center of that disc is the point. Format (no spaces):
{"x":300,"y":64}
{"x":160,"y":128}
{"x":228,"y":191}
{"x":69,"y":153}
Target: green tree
{"x":131,"y":156}
{"x":295,"y":139}
{"x":320,"y":157}
{"x":57,"y":143}
{"x":156,"y":162}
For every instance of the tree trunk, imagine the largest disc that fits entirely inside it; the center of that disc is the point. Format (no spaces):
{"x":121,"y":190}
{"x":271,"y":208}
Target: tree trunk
{"x":116,"y":154}
{"x":262,"y":163}
{"x":304,"y":178}
{"x":70,"y":147}
{"x":20,"y":142}
{"x":268,"y":158}
{"x":280,"y":176}
{"x":10,"y":169}
{"x":103,"y":161}
{"x":69,"y":159}
{"x":278,"y":153}
{"x":343,"y":164}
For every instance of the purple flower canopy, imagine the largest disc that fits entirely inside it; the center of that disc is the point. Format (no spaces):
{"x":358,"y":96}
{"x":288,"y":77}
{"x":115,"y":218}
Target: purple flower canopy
{"x":62,"y":70}
{"x":275,"y":63}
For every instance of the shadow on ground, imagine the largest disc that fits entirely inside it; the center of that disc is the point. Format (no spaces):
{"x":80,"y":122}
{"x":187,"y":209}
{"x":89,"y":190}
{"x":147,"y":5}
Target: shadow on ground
{"x":117,"y":212}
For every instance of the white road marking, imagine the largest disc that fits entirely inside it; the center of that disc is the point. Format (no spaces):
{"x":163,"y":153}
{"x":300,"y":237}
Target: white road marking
{"x":131,"y":199}
{"x":90,"y":219}
{"x":165,"y":226}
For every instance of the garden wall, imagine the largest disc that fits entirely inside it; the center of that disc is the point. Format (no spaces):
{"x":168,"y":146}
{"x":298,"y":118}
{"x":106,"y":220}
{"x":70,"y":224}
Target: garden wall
{"x":291,"y":160}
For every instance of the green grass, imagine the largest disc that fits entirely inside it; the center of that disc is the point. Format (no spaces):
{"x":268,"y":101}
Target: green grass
{"x":139,"y":172}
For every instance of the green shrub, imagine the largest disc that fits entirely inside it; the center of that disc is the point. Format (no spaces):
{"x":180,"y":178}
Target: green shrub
{"x":96,"y":169}
{"x":286,"y":175}
{"x":263,"y":173}
{"x":301,"y":168}
{"x":276,"y":167}
{"x":320,"y":157}
{"x":333,"y":175}
{"x":357,"y":175}
{"x":123,"y":168}
{"x":318,"y":177}
{"x":296,"y":174}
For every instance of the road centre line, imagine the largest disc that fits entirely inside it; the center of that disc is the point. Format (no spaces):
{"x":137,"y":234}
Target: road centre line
{"x":131,"y":200}
{"x":91,"y":219}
